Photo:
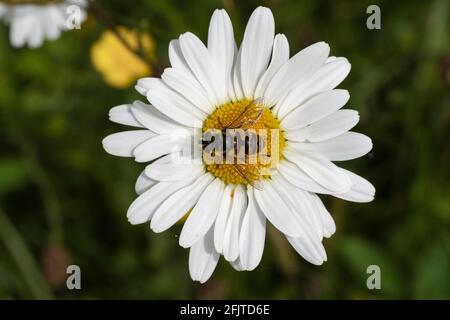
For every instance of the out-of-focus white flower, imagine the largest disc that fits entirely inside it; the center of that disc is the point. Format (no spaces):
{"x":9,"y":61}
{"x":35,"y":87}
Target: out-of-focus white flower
{"x":33,"y":21}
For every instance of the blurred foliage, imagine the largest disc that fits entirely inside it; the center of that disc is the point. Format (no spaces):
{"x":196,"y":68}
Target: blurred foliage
{"x":63,"y":199}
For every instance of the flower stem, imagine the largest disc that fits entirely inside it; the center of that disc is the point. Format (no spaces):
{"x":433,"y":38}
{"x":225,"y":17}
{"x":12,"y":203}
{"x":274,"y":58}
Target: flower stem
{"x":23,"y":259}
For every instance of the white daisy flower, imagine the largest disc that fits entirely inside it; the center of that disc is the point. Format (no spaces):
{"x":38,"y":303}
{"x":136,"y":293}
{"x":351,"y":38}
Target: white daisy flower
{"x":204,"y":88}
{"x":33,"y":21}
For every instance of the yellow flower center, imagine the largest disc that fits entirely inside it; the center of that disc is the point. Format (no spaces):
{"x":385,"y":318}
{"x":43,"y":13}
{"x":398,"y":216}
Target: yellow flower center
{"x":249,"y":116}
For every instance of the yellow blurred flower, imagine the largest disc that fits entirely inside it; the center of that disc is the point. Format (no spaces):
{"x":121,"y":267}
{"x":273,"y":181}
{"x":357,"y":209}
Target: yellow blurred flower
{"x":116,"y":63}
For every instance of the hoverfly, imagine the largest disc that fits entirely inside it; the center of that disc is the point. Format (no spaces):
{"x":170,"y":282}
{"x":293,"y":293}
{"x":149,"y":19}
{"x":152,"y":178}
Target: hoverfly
{"x":251,"y":142}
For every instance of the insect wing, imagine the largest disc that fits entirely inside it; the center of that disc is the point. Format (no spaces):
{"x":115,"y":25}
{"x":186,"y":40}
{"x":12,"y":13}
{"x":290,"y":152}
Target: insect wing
{"x":257,"y":184}
{"x":249,"y":116}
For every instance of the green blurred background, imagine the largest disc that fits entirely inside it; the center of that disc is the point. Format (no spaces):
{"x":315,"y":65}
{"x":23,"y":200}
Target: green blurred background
{"x":63,"y":200}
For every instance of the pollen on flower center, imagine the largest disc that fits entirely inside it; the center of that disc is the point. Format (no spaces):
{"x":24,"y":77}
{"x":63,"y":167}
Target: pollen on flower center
{"x":249,"y":116}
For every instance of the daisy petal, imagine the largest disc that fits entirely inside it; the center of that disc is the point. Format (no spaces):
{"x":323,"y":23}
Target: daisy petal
{"x":317,"y":108}
{"x":297,"y":69}
{"x":203,"y":215}
{"x":331,"y":59}
{"x":236,"y":78}
{"x":173,"y":167}
{"x":311,"y":252}
{"x":297,"y":177}
{"x":253,"y":234}
{"x":156,"y":147}
{"x":327,"y":77}
{"x":329,"y":227}
{"x":222,"y":46}
{"x":123,"y":144}
{"x":329,"y":127}
{"x":277,"y":211}
{"x":203,"y":258}
{"x":360,"y":191}
{"x":19,"y":30}
{"x":16,"y":34}
{"x":256,"y":48}
{"x":143,"y":85}
{"x":37,"y":36}
{"x":51,"y":27}
{"x":280,"y":55}
{"x":231,"y":236}
{"x":203,"y":67}
{"x":143,"y":208}
{"x":322,"y":170}
{"x":303,"y":207}
{"x":143,"y":183}
{"x":347,"y":146}
{"x":237,"y":265}
{"x":187,"y":85}
{"x":176,"y":57}
{"x":178,"y":204}
{"x":122,"y":115}
{"x":222,"y":217}
{"x":154,"y":120}
{"x":176,"y":107}
{"x":221,"y":42}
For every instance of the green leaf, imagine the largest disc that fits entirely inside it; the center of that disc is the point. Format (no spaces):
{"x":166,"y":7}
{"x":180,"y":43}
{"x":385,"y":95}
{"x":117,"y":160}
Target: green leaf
{"x":432,"y":276}
{"x":12,"y":174}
